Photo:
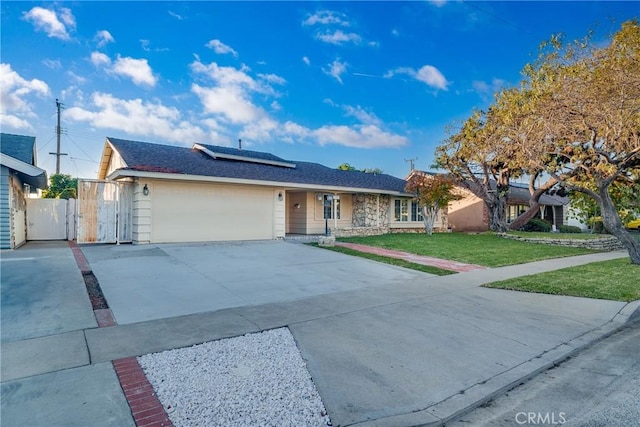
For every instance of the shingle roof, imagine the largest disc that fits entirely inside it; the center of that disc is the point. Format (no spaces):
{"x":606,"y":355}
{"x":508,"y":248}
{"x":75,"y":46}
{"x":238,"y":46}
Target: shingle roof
{"x":19,"y":147}
{"x":144,"y":156}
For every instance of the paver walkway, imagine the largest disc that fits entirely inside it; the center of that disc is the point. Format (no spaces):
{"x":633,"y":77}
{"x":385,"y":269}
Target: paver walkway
{"x":445,"y":264}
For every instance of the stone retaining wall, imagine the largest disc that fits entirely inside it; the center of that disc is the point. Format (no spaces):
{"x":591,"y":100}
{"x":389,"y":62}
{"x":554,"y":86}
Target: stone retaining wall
{"x":600,"y":244}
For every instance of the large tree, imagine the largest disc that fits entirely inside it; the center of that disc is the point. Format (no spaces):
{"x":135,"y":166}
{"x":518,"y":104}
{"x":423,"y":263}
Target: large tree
{"x":61,"y":186}
{"x":433,"y":194}
{"x":481,"y":162}
{"x":585,"y":101}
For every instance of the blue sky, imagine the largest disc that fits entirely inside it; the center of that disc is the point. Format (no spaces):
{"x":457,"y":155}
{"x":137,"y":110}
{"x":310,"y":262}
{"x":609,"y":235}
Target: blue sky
{"x":368,"y":83}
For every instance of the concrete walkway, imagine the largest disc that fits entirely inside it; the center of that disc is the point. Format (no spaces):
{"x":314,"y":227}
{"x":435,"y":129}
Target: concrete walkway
{"x":445,"y":264}
{"x":415,"y":352}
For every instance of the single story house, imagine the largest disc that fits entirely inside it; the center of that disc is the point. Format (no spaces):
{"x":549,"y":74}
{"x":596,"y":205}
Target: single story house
{"x":471,"y":214}
{"x":214,"y":193}
{"x":19,"y":176}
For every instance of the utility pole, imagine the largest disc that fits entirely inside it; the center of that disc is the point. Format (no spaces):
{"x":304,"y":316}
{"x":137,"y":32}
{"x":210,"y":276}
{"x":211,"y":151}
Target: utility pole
{"x":58,"y":133}
{"x":411,"y":162}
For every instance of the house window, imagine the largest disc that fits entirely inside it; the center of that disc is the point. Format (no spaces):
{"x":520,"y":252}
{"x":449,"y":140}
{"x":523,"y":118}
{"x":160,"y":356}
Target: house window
{"x":329,"y":203}
{"x":514,"y":211}
{"x":416,"y":212}
{"x":401,"y":210}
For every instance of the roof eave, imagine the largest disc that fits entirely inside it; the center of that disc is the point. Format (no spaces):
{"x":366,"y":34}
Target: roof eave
{"x":29,"y":174}
{"x":127,"y":173}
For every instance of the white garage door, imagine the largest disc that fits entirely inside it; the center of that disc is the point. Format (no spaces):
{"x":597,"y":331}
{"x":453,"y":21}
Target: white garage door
{"x":200,"y":212}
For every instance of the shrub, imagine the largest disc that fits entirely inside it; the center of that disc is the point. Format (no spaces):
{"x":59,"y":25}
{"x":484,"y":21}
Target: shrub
{"x":537,"y":224}
{"x":570,"y":229}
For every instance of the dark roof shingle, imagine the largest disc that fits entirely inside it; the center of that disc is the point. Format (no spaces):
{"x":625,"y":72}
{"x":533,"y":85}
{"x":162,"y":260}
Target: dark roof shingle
{"x":144,"y":156}
{"x":19,"y":147}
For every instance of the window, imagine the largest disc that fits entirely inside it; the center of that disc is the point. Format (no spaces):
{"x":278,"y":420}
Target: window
{"x":416,"y":211}
{"x":514,"y":211}
{"x":401,"y":210}
{"x":329,"y":203}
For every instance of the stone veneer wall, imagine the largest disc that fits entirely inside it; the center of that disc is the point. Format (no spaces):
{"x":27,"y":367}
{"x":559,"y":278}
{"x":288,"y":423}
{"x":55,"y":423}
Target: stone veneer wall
{"x":365,"y":210}
{"x":599,"y":244}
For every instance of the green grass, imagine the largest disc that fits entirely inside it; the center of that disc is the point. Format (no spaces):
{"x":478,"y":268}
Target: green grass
{"x":612,"y":280}
{"x":575,"y":236}
{"x":485,"y":249}
{"x":393,"y":261}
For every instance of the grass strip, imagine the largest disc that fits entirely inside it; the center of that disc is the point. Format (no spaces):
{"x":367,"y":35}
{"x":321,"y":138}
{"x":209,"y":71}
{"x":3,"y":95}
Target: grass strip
{"x":615,"y":280}
{"x":393,"y":261}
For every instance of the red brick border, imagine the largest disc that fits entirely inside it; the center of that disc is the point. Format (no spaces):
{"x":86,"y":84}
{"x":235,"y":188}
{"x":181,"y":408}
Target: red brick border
{"x":146,"y":408}
{"x":82,"y":262}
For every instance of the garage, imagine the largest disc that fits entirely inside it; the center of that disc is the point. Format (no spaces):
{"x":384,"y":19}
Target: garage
{"x":200,"y":212}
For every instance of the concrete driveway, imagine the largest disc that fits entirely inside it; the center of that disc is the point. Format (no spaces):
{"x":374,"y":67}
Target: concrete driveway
{"x":152,"y":282}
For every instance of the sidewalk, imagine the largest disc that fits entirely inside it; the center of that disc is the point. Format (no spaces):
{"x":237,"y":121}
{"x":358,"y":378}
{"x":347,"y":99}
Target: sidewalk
{"x":419,"y":352}
{"x":445,"y":264}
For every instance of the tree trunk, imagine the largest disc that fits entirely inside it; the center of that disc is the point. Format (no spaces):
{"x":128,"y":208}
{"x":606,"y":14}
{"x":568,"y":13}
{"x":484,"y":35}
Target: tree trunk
{"x":498,"y":215}
{"x":429,"y":216}
{"x":526,"y":216}
{"x":612,"y":223}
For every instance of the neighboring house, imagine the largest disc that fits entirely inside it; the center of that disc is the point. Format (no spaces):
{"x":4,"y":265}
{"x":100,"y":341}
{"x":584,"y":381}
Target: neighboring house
{"x":19,"y":176}
{"x":471,"y":214}
{"x":212,"y":193}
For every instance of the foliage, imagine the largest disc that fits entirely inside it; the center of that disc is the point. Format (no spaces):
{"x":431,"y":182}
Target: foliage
{"x":570,"y":229}
{"x":433,"y":193}
{"x":625,"y":197}
{"x":348,"y":167}
{"x":537,"y":224}
{"x":482,"y":249}
{"x":613,"y":280}
{"x":575,"y":118}
{"x":61,"y":186}
{"x":480,"y":162}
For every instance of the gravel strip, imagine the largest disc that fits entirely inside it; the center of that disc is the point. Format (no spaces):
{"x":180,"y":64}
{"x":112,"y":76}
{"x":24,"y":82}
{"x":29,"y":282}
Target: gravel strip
{"x":255,"y":380}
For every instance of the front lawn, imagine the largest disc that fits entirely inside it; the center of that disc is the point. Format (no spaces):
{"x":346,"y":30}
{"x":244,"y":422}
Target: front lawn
{"x":485,"y":249}
{"x":612,"y":280}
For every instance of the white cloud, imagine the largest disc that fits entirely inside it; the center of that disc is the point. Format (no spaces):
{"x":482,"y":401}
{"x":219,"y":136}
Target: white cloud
{"x":76,"y":78}
{"x":14,"y":88}
{"x":484,"y":88}
{"x":361,"y":136}
{"x":395,"y":32}
{"x":327,"y":17}
{"x":306,"y":60}
{"x":103,"y":37}
{"x":339,"y":37}
{"x":13,"y":122}
{"x":361,"y":115}
{"x":260,"y":130}
{"x":144,"y":43}
{"x":221,"y":48}
{"x":54,"y":64}
{"x":275,"y":106}
{"x":373,"y":44}
{"x":428,"y":74}
{"x":336,"y":69}
{"x":13,"y":92}
{"x":57,"y":25}
{"x":438,"y":3}
{"x":138,"y":70}
{"x":136,"y":117}
{"x":177,"y":16}
{"x":99,"y":58}
{"x":231,"y":102}
{"x":273,"y":79}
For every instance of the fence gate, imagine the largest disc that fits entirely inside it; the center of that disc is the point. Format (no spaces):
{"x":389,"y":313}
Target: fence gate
{"x":104,"y":211}
{"x":49,"y":219}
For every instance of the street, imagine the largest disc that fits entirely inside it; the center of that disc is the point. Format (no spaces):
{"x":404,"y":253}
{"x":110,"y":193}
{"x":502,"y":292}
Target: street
{"x":597,"y":387}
